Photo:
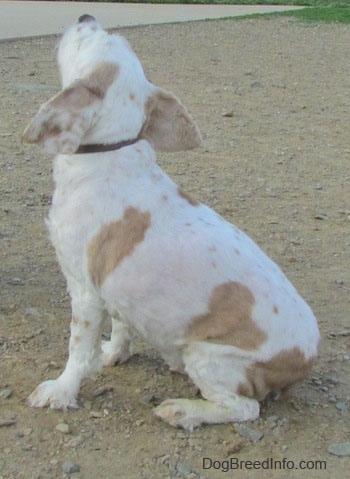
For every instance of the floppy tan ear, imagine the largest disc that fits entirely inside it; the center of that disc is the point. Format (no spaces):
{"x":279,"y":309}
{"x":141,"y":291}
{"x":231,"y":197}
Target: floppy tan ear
{"x":61,"y":123}
{"x":168,"y":126}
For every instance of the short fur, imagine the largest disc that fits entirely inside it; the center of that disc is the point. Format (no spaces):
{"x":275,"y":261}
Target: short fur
{"x":137,"y":248}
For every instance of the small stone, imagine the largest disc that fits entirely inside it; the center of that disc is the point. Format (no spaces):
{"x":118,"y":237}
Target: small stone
{"x":138,"y":423}
{"x":248,"y":433}
{"x":183,"y":468}
{"x":164,"y":459}
{"x":5,"y":393}
{"x":342,"y":449}
{"x":102,"y":390}
{"x":88,"y":405}
{"x":27,"y":431}
{"x":70,"y":467}
{"x":33,"y":312}
{"x":63,"y":428}
{"x":227,"y":114}
{"x":332,"y":398}
{"x":147,"y":398}
{"x":235,"y":448}
{"x":95,"y":415}
{"x":321,"y":216}
{"x":75,"y":442}
{"x":7,"y":422}
{"x":341,"y":406}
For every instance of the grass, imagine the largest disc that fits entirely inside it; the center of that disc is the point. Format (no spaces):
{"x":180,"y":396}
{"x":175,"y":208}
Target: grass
{"x":307,"y":3}
{"x":322,"y":14}
{"x":321,"y":11}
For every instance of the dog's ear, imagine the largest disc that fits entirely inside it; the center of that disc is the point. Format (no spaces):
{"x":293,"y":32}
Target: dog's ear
{"x":61,"y":123}
{"x":168,"y":126}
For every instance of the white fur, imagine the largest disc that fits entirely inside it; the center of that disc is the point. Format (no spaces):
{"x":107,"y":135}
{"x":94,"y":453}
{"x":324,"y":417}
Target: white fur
{"x":169,"y":278}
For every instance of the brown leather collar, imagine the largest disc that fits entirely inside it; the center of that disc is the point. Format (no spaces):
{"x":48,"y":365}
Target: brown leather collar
{"x":100,"y":148}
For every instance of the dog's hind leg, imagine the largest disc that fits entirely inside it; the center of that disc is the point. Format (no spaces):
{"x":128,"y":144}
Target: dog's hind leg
{"x":119,"y":348}
{"x":217,"y":372}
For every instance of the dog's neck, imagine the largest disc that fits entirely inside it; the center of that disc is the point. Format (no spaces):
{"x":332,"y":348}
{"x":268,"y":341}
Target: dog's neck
{"x":100,"y":148}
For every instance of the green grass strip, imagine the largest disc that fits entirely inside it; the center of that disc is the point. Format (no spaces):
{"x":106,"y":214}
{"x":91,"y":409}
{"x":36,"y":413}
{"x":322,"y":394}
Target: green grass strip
{"x":321,"y":14}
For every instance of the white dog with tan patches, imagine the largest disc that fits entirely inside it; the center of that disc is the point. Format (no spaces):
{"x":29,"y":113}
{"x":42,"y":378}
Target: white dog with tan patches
{"x":135,"y":247}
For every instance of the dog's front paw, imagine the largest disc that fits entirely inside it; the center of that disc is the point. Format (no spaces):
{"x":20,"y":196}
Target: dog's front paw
{"x":115,"y":354}
{"x":178,"y":413}
{"x":53,"y":394}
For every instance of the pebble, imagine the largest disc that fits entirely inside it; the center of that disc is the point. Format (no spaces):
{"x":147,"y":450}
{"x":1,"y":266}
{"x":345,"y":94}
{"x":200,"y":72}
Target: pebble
{"x":164,"y":459}
{"x":248,"y":433}
{"x":342,"y":449}
{"x":7,"y":422}
{"x":183,"y":468}
{"x":75,"y":442}
{"x":321,"y":216}
{"x":341,"y":406}
{"x":33,"y":312}
{"x":147,"y":398}
{"x":70,"y":467}
{"x":102,"y":390}
{"x":63,"y":428}
{"x":95,"y":415}
{"x":5,"y":393}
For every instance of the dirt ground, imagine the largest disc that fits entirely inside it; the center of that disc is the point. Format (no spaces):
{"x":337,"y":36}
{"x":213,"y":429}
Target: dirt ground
{"x":271,"y":97}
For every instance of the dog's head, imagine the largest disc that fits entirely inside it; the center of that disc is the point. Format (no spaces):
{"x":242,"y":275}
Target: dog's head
{"x":106,"y":98}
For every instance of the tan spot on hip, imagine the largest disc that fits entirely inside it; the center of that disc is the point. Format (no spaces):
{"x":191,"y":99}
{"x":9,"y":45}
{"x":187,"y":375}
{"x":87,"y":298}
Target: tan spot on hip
{"x":283,"y":371}
{"x":115,"y":242}
{"x":229,"y":319}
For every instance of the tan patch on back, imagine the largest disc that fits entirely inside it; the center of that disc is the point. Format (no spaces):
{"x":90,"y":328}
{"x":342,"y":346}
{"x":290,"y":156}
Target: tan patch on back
{"x":229,"y":320}
{"x":283,"y":371}
{"x":187,"y":197}
{"x":114,"y":242}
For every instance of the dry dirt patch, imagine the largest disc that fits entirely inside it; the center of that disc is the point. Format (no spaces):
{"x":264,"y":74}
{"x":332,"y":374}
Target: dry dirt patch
{"x":272,"y":100}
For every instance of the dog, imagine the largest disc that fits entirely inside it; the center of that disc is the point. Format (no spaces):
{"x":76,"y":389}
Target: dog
{"x":135,"y":247}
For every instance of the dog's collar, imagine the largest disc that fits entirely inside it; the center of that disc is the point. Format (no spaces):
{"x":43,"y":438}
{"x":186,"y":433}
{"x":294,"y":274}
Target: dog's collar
{"x":100,"y":148}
